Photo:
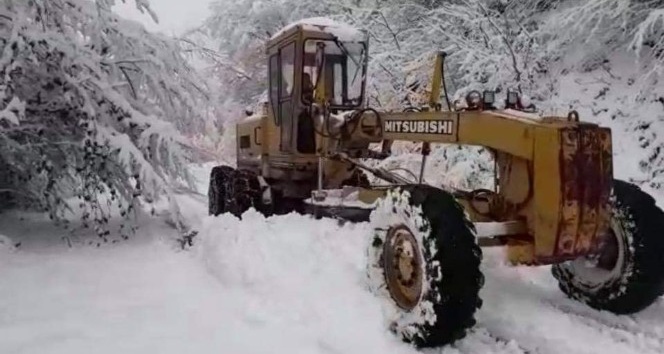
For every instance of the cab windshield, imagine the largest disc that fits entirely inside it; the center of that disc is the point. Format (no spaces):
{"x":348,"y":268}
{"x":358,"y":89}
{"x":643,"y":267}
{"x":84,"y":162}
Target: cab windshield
{"x":343,"y":72}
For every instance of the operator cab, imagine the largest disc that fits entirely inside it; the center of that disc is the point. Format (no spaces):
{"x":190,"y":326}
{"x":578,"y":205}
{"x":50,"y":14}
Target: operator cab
{"x":314,"y":62}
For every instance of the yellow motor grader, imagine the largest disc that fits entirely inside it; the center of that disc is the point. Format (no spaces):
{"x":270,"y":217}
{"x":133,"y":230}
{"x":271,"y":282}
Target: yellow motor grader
{"x":554,"y":201}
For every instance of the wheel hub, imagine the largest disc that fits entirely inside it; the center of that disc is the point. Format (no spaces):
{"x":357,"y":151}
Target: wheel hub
{"x":608,"y":251}
{"x":605,"y":264}
{"x":403,"y":267}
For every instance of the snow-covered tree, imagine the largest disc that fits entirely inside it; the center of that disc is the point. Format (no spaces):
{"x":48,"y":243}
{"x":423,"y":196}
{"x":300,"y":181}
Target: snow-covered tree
{"x":236,"y":32}
{"x":91,"y":107}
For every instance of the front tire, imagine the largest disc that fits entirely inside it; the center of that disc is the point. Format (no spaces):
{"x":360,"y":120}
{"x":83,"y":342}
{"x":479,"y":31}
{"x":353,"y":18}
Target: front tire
{"x":628,"y":273}
{"x":245,"y":192}
{"x":217,"y":195}
{"x":424,"y":262}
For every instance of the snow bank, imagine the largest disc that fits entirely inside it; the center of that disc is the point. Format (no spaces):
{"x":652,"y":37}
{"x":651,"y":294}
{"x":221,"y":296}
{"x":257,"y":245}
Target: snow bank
{"x":301,"y":275}
{"x":342,"y":31}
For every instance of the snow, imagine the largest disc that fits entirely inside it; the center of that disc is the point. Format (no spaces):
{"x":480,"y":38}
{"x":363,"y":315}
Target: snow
{"x":342,"y":31}
{"x":253,"y":118}
{"x":264,"y":285}
{"x":525,"y":116}
{"x":348,"y":197}
{"x":294,"y":284}
{"x":14,"y":110}
{"x":6,"y":244}
{"x":106,"y":301}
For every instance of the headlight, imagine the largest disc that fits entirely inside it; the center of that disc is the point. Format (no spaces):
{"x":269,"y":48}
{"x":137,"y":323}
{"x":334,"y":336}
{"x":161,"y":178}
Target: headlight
{"x":474,"y":99}
{"x":489,"y":98}
{"x":512,"y":99}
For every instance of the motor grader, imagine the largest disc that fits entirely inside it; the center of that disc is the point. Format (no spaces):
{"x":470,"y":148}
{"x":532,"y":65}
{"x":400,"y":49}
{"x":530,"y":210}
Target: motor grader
{"x":554,"y":200}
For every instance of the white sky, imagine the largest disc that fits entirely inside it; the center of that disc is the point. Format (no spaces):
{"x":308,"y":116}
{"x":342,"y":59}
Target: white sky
{"x":175,"y":16}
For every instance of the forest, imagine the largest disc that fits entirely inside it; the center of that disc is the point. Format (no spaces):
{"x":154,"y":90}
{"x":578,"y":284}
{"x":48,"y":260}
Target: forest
{"x":99,"y":114}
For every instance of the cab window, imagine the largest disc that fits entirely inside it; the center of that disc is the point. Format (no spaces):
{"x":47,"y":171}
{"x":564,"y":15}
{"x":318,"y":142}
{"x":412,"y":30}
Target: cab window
{"x":274,"y":86}
{"x":282,"y":79}
{"x":343,"y":72}
{"x":287,"y":70}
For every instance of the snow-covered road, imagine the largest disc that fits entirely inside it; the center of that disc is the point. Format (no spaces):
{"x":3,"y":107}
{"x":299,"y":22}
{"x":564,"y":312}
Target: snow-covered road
{"x":286,"y":284}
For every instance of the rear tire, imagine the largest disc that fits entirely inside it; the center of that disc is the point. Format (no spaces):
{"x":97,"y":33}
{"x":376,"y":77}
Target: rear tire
{"x":629,"y":273}
{"x":217,"y":196}
{"x":424,"y":262}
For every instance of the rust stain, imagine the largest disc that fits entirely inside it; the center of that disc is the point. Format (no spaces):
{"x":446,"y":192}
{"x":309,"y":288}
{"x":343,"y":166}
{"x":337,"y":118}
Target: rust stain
{"x":606,"y":162}
{"x":570,"y":191}
{"x":591,"y":189}
{"x":586,"y":176}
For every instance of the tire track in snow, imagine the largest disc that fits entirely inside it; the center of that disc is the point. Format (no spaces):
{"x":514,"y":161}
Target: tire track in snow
{"x":524,"y":304}
{"x":492,"y":340}
{"x":620,"y":331}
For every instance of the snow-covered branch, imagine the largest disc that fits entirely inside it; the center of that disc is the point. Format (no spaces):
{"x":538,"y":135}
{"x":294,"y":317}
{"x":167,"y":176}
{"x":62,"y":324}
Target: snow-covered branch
{"x":91,"y":105}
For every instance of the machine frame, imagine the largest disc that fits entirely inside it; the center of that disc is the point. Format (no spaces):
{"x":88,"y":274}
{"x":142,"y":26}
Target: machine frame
{"x":552,"y":174}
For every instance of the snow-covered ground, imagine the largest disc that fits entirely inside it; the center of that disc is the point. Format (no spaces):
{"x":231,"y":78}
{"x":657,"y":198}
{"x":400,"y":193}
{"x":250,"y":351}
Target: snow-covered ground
{"x":286,"y":284}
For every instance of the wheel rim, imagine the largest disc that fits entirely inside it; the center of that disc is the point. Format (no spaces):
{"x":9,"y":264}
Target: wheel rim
{"x":403,"y":267}
{"x":606,"y":265}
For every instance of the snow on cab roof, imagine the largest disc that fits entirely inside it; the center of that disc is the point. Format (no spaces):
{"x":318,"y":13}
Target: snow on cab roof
{"x":342,"y":31}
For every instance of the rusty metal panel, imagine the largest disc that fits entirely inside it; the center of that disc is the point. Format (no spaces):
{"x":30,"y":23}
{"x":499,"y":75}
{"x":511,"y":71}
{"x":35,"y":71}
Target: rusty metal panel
{"x":586,"y":174}
{"x":606,"y":165}
{"x":590,"y":187}
{"x":570,"y":189}
{"x":572,"y":182}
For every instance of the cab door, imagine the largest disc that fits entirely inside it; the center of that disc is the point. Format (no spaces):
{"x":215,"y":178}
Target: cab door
{"x":282,"y":92}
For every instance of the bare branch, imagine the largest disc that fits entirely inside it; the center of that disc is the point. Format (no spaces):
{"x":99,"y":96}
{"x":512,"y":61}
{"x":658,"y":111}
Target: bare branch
{"x":131,"y":85}
{"x":389,"y":29}
{"x":508,"y":45}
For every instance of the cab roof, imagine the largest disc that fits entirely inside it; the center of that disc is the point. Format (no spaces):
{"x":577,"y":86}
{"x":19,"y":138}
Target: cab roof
{"x":340,"y":30}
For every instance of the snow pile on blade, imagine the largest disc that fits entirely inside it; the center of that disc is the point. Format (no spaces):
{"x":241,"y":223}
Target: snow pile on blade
{"x":258,"y":252}
{"x":301,"y":276}
{"x":296,"y":284}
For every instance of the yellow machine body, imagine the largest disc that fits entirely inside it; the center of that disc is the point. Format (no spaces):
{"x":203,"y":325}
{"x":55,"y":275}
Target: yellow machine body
{"x":553,"y":174}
